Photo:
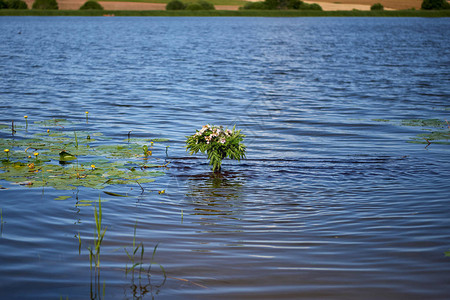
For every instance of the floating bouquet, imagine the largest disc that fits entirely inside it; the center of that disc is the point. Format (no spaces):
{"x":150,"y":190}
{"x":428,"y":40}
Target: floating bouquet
{"x":217,"y":143}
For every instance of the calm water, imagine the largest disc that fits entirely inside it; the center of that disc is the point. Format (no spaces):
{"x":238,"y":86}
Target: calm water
{"x":330,"y":203}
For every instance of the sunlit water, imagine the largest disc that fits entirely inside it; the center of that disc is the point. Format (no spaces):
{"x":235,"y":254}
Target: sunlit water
{"x":331,"y":203}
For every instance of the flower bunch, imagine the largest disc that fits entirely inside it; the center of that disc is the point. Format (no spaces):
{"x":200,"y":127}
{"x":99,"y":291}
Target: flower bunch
{"x":218,"y":143}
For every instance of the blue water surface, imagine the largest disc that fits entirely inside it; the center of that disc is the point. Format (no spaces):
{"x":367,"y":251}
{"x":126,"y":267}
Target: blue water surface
{"x":334,"y":201}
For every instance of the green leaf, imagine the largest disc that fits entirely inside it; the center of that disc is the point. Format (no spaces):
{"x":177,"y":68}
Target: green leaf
{"x":115,"y":194}
{"x":63,"y":198}
{"x":66,"y":156}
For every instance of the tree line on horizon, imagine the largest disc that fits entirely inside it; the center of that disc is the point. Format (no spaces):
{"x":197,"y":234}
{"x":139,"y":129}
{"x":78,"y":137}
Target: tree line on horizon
{"x":204,"y":5}
{"x":45,"y":5}
{"x":298,"y":4}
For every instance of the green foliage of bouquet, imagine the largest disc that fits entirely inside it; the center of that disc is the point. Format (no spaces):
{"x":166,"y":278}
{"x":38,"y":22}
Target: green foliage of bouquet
{"x":217,"y":143}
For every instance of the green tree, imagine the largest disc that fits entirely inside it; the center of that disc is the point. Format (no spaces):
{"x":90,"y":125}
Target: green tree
{"x":206,"y":5}
{"x":272,"y":4}
{"x":312,"y":6}
{"x":16,"y":4}
{"x":175,"y":5}
{"x":194,"y":6}
{"x":294,"y":4}
{"x":45,"y":4}
{"x":377,"y":6}
{"x":91,"y":5}
{"x":282,"y":4}
{"x":435,"y":4}
{"x":255,"y":5}
{"x":3,"y":5}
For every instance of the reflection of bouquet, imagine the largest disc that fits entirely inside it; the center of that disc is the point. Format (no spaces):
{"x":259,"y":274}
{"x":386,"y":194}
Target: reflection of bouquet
{"x":217,"y":143}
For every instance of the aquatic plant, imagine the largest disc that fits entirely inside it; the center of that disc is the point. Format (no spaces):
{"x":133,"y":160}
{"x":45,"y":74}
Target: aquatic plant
{"x":437,"y":131}
{"x":94,"y":253}
{"x":66,"y":156}
{"x":1,"y":221}
{"x":7,"y":153}
{"x":132,"y":257}
{"x":139,"y":264}
{"x":79,"y":244}
{"x":147,"y":152}
{"x":37,"y":159}
{"x":218,"y":143}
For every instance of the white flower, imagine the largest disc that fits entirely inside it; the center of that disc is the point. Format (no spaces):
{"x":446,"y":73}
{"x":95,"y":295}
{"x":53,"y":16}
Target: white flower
{"x":223,"y":141}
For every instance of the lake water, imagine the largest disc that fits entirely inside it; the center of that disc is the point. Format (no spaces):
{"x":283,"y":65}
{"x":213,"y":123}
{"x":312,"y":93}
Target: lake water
{"x":334,"y":200}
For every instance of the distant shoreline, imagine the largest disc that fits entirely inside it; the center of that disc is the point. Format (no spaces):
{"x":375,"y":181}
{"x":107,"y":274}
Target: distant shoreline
{"x":327,"y":5}
{"x":229,"y":13}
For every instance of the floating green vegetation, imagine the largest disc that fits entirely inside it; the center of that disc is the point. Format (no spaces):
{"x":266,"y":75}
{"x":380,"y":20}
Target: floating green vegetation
{"x":437,"y":131}
{"x":424,"y":123}
{"x":381,"y":120}
{"x":50,"y":153}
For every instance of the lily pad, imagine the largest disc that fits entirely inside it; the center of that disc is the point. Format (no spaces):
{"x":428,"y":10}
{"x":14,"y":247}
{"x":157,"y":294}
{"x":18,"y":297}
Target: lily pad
{"x":66,"y":156}
{"x":65,"y":159}
{"x":423,"y":122}
{"x":437,"y":131}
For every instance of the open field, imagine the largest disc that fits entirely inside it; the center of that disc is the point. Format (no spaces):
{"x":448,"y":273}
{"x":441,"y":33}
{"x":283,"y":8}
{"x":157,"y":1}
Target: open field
{"x":327,"y":5}
{"x":140,"y":4}
{"x":392,"y":4}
